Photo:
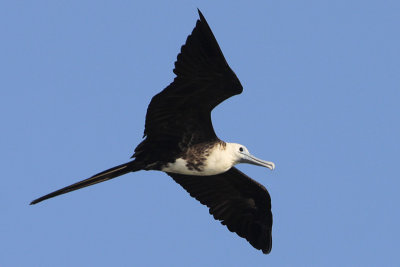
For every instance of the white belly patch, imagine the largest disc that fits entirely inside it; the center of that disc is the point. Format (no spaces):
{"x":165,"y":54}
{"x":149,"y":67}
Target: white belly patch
{"x":211,"y":166}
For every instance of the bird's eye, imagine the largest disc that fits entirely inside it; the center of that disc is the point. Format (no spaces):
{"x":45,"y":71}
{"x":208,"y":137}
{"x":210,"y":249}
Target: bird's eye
{"x":241,"y":149}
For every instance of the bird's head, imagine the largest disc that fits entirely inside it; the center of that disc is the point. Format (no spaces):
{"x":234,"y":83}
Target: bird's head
{"x":242,"y":155}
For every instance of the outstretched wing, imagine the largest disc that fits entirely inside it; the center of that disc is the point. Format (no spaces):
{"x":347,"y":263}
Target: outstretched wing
{"x":239,"y":202}
{"x":180,"y":115}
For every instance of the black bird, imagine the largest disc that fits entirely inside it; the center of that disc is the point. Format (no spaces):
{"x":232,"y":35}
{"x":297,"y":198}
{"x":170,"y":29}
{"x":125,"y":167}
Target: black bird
{"x":179,"y":139}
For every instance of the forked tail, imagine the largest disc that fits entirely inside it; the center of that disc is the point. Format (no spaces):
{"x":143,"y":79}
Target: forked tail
{"x":114,"y":172}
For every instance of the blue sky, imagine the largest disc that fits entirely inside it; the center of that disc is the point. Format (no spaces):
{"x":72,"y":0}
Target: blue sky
{"x":321,"y":99}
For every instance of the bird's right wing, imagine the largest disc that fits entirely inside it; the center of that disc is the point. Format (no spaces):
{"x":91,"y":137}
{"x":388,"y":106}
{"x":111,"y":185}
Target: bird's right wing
{"x":239,"y":202}
{"x":181,"y":113}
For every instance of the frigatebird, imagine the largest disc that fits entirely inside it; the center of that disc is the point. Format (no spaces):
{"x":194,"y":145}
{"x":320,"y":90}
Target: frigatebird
{"x":179,"y":139}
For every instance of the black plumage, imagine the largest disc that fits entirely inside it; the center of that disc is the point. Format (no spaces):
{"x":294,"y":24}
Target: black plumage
{"x":239,"y":202}
{"x":180,"y":115}
{"x":179,"y":118}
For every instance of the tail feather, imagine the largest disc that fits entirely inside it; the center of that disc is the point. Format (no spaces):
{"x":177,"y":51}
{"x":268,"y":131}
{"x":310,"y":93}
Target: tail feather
{"x":95,"y":179}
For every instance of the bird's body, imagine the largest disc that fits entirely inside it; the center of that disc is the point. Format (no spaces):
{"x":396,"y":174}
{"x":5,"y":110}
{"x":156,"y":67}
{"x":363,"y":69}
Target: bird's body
{"x":202,"y":159}
{"x":180,"y":141}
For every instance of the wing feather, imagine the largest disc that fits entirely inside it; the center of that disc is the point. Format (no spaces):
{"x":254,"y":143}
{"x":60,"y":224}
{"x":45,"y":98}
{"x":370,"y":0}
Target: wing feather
{"x":239,"y":202}
{"x":180,"y":115}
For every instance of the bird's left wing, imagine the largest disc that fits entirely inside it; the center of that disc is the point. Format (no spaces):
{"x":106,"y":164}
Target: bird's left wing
{"x":239,"y":202}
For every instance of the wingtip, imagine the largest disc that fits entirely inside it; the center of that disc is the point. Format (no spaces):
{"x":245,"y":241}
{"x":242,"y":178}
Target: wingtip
{"x":200,"y":14}
{"x":266,"y":251}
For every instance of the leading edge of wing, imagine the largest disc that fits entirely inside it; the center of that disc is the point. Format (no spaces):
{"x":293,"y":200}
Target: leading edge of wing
{"x":239,"y":202}
{"x":201,"y":62}
{"x":204,"y":79}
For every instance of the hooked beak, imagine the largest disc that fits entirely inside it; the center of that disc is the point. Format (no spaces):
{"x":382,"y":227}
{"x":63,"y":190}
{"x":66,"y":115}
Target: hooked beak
{"x":250,"y":159}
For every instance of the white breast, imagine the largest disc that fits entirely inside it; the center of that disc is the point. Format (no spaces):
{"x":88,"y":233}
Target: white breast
{"x":219,"y":161}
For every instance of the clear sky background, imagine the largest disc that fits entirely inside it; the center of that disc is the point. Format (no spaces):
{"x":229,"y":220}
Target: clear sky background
{"x":321,"y":99}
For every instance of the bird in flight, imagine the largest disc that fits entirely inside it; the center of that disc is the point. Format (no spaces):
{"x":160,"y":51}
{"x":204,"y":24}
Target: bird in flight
{"x":179,"y":140}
